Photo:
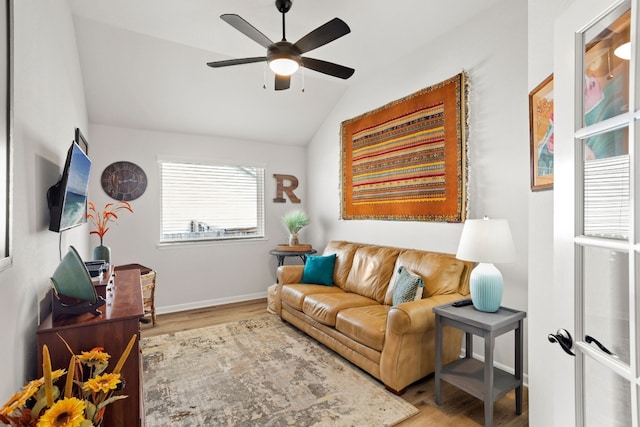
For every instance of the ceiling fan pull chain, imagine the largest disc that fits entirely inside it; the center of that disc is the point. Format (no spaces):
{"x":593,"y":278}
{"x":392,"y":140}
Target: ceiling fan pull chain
{"x":302,"y":72}
{"x":264,"y":78}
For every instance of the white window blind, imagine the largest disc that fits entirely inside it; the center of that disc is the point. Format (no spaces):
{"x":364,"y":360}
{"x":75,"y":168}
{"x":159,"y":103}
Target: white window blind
{"x":211,"y":202}
{"x":606,"y":197}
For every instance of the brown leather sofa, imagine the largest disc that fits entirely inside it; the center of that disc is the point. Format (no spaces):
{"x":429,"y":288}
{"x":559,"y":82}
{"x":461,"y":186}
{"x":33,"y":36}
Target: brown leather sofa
{"x":355,"y":318}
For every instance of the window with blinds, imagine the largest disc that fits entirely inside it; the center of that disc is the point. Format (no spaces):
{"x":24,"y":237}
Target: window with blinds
{"x":211,"y":202}
{"x":606,"y":197}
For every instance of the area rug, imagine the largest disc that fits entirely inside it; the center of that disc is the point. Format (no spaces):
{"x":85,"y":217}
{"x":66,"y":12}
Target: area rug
{"x":259,"y":372}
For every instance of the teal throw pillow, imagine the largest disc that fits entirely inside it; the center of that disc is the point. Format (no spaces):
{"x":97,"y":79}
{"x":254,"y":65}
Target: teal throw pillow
{"x":319,"y":270}
{"x":406,"y":287}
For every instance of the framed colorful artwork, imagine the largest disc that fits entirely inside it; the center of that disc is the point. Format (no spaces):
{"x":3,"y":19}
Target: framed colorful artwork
{"x":541,"y":135}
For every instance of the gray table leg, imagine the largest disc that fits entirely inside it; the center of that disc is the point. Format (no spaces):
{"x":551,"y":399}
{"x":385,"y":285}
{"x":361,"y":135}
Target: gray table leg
{"x":438,"y":360}
{"x":518,"y":365}
{"x":468,"y":346}
{"x":489,"y":341}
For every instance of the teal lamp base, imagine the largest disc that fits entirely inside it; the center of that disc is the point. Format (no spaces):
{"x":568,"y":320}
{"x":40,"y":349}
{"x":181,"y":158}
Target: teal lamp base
{"x":486,"y":287}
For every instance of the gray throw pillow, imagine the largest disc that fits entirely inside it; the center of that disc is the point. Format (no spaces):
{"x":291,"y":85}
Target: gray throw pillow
{"x":406,"y":287}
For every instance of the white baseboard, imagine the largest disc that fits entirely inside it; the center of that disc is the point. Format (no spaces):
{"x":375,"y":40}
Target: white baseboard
{"x":209,"y":303}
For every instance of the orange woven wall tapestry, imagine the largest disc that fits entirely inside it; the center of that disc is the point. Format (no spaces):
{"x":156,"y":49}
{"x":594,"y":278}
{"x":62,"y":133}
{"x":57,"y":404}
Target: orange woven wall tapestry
{"x":407,"y":159}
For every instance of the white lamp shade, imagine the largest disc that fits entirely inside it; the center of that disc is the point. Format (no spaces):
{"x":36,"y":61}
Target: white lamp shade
{"x":486,"y":240}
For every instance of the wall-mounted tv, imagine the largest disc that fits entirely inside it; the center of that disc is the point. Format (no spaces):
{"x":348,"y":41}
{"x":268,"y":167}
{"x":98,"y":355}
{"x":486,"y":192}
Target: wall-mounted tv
{"x":67,"y":199}
{"x":81,"y":141}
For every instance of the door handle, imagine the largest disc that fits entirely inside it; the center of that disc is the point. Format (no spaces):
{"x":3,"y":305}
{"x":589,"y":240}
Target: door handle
{"x":589,"y":339}
{"x":562,"y":337}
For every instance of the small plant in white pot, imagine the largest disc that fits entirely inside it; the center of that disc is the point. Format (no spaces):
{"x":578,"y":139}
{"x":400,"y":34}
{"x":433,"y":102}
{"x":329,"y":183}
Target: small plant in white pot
{"x":294,"y":222}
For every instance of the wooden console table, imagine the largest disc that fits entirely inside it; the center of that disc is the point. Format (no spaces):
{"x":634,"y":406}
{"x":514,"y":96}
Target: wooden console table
{"x":112,"y":330}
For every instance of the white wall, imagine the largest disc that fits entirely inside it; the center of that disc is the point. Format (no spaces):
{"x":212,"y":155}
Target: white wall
{"x":49,"y":105}
{"x":199,"y":275}
{"x":495,"y":58}
{"x":541,"y":399}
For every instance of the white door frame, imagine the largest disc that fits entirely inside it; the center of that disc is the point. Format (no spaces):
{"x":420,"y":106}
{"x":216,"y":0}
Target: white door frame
{"x":566,"y":379}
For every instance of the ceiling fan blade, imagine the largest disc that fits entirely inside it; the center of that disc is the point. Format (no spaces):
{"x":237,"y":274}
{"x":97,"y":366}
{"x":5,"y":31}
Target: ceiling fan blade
{"x":322,"y":35}
{"x":282,"y":82}
{"x":228,"y":62}
{"x":329,"y":68}
{"x":247,"y":29}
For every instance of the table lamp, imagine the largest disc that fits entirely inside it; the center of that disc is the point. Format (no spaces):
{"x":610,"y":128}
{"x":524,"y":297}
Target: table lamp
{"x":486,"y":241}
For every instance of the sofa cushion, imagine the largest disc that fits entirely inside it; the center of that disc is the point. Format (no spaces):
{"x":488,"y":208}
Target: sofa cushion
{"x":325,"y":307}
{"x":365,"y":325}
{"x":319,"y":270}
{"x":293,"y":294}
{"x":344,"y":252}
{"x":440,"y":272}
{"x":407,"y":286}
{"x":371,"y":271}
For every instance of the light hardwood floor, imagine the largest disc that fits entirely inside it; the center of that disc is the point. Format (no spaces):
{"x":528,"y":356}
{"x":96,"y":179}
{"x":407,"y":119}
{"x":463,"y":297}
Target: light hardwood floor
{"x":458,"y":408}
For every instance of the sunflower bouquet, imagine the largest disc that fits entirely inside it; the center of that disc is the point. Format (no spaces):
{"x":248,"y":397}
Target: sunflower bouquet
{"x":82,"y":403}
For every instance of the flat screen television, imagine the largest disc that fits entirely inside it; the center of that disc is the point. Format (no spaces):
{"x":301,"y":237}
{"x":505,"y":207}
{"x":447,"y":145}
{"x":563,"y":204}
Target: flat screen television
{"x":67,"y":199}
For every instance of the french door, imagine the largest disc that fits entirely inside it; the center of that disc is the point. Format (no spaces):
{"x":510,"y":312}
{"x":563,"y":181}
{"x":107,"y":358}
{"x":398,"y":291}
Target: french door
{"x":596,"y":212}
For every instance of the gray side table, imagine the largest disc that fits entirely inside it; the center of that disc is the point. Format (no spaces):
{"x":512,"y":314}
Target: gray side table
{"x":479,"y":379}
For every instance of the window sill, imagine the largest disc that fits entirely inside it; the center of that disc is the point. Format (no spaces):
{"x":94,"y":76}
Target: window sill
{"x":209,"y":242}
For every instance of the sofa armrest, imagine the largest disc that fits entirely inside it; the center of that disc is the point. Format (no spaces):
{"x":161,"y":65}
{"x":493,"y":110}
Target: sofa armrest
{"x":286,"y":274}
{"x":409,"y":343}
{"x":417,"y":316}
{"x":289,"y":274}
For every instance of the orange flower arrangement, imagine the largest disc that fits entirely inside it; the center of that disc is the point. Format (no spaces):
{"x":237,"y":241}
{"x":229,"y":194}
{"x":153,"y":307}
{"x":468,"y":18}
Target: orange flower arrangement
{"x":101,"y":220}
{"x":42,"y":404}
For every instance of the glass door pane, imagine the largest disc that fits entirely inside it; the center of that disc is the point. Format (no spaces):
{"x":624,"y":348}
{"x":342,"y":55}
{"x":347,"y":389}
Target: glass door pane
{"x":607,"y":398}
{"x":606,"y":300}
{"x":606,"y":68}
{"x":606,"y":185}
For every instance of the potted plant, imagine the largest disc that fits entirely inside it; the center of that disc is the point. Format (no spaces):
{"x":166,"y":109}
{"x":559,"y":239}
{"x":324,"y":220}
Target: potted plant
{"x":100,"y":221}
{"x":294,"y":222}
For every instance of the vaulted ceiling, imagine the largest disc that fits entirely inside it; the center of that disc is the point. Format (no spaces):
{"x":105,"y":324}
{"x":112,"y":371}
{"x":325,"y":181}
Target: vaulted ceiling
{"x":144,"y":61}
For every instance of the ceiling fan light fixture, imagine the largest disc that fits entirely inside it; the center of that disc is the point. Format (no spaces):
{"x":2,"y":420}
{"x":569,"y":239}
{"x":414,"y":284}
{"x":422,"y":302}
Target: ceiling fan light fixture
{"x":623,"y":51}
{"x":284,"y":66}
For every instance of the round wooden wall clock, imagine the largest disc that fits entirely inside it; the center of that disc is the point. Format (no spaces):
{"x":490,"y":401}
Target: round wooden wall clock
{"x":124,"y":181}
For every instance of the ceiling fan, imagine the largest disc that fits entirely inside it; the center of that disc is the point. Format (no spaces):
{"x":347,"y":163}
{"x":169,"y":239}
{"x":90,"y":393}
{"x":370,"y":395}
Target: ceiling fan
{"x":284,"y":57}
